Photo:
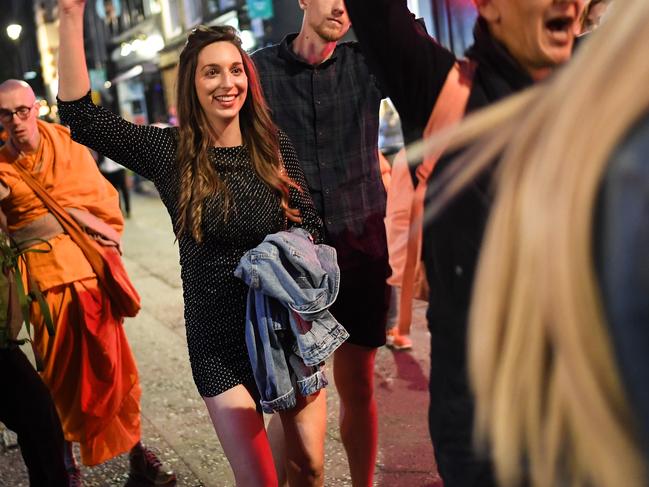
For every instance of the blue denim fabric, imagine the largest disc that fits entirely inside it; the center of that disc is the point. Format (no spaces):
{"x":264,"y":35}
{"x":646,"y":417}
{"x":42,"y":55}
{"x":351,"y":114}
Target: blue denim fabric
{"x":272,"y":350}
{"x":621,"y":239}
{"x":287,"y":266}
{"x":289,"y":330}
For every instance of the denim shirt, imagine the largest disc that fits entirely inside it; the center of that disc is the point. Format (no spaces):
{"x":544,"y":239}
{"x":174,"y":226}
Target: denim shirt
{"x":289,"y":329}
{"x":621,"y":251}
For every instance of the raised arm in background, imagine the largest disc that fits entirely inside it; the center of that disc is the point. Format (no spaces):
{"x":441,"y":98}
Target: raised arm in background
{"x":73,"y":72}
{"x":410,"y":64}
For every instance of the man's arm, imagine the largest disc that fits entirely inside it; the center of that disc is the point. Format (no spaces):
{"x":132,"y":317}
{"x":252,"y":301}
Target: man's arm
{"x":410,"y":64}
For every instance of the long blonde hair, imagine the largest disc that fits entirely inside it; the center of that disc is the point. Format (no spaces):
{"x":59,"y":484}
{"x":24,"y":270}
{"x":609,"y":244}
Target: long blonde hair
{"x":549,"y":396}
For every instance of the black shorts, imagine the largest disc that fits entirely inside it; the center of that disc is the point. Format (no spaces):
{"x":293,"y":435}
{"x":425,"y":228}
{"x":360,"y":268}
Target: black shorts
{"x":363,"y":302}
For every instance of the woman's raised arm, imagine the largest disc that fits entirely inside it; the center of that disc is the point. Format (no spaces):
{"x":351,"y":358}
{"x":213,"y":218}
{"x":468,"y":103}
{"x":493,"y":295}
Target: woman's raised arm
{"x":73,"y":72}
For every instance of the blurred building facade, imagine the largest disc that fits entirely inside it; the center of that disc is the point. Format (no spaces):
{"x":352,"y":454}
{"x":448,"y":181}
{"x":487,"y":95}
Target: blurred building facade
{"x":20,"y":57}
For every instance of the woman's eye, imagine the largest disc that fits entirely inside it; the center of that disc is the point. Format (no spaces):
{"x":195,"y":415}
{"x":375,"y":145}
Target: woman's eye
{"x":237,"y":70}
{"x":211,"y":72}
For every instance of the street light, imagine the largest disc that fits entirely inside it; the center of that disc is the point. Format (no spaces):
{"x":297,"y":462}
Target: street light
{"x":14,"y":31}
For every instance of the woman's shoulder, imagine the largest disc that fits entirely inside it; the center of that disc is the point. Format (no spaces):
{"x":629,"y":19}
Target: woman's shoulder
{"x":284,"y":140}
{"x":286,"y":148}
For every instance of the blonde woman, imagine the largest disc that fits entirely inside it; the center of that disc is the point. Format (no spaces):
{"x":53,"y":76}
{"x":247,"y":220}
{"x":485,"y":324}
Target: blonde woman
{"x":559,"y":334}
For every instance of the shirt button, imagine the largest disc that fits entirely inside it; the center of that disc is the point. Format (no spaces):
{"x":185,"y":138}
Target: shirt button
{"x":458,"y":270}
{"x":317,"y":102}
{"x":327,"y":191}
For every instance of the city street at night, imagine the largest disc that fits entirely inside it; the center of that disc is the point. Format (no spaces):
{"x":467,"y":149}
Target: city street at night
{"x":413,"y":233}
{"x":175,"y":421}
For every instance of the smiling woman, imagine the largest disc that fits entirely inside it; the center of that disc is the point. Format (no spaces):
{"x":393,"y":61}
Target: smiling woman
{"x":228,"y":178}
{"x":221,"y":82}
{"x":216,"y":77}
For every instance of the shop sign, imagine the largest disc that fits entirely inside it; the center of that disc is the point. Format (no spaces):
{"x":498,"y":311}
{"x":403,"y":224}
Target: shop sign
{"x":260,"y":9}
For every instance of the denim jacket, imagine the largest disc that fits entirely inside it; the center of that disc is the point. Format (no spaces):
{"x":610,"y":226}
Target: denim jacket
{"x":289,"y":329}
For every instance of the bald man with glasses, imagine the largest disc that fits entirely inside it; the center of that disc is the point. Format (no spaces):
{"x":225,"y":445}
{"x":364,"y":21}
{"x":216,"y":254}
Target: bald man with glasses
{"x":7,"y":116}
{"x":89,"y":368}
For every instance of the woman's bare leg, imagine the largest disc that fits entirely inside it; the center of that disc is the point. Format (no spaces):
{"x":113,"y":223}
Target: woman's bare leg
{"x":275,"y":432}
{"x":305,"y":427}
{"x":354,"y":376}
{"x":240,"y":428}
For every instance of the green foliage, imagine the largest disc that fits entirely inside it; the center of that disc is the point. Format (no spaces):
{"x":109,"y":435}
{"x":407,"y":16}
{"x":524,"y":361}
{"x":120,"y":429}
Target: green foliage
{"x":13,"y":293}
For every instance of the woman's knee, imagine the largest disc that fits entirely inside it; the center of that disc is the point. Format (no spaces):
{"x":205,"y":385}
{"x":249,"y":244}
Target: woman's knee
{"x":304,"y":431}
{"x":360,"y":393}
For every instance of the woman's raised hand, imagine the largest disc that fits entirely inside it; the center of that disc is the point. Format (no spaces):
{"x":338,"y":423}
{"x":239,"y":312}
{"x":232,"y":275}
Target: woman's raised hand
{"x":69,"y":5}
{"x":73,"y":75}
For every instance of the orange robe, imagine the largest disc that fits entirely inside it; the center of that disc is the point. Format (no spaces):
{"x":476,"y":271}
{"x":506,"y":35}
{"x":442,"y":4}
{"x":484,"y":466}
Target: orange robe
{"x":89,"y":367}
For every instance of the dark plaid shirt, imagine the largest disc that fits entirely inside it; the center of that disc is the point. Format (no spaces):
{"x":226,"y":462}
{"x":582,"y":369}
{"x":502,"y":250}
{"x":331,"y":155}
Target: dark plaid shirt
{"x":331,"y":113}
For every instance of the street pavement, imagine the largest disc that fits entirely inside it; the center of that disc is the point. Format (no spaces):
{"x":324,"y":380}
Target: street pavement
{"x":174,"y":419}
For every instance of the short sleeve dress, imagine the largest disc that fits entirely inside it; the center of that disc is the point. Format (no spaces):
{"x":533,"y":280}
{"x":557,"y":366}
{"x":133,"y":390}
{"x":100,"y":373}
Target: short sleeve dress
{"x":215,"y":300}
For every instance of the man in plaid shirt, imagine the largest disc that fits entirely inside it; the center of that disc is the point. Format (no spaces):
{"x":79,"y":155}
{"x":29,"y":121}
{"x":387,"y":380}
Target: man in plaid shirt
{"x":324,"y":97}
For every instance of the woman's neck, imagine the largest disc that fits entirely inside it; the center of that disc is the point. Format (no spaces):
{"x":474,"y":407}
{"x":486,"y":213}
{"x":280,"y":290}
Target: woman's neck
{"x":226,"y":134}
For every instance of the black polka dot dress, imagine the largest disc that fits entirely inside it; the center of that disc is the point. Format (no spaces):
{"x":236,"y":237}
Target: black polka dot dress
{"x":215,"y":300}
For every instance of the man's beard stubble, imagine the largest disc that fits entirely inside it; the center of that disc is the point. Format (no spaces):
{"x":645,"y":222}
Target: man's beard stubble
{"x":328,"y":35}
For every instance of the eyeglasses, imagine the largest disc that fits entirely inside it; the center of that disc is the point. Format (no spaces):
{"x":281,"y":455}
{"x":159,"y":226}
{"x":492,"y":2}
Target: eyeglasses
{"x":6,"y":116}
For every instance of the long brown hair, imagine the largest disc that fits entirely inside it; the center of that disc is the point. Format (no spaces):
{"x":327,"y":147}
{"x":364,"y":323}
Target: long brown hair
{"x":198,"y":178}
{"x":548,"y":389}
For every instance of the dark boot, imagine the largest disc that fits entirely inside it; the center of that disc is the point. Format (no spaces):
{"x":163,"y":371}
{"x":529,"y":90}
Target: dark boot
{"x":146,"y":469}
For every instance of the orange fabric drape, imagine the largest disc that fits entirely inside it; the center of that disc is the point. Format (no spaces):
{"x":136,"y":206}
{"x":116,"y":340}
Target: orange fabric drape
{"x":90,"y":371}
{"x":69,"y":173}
{"x":89,"y":366}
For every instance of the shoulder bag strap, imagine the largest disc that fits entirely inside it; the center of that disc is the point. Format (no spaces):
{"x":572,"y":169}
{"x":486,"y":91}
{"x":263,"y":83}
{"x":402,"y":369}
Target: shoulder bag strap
{"x":71,"y":227}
